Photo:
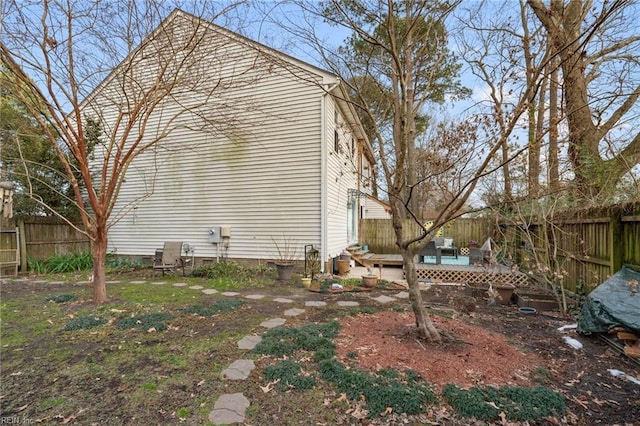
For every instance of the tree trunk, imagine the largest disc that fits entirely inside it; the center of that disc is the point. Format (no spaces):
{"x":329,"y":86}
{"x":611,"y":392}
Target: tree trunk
{"x":554,"y":119}
{"x":99,"y":252}
{"x":426,"y":329}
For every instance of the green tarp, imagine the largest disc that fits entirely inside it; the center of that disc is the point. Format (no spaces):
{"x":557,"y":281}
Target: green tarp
{"x":612,"y":304}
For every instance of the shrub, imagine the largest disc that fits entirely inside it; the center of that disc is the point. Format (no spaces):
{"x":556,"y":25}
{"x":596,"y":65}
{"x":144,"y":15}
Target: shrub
{"x":123,"y":264}
{"x":84,"y":322}
{"x":288,"y":373}
{"x":403,"y":392}
{"x":59,"y":264}
{"x":220,"y":270}
{"x":281,"y":341}
{"x":518,"y":403}
{"x":62,"y":298}
{"x":146,"y":322}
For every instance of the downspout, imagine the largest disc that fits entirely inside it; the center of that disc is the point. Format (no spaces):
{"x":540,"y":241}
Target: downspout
{"x":324,"y":202}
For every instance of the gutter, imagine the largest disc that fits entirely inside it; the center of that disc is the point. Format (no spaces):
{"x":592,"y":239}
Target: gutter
{"x":328,"y":88}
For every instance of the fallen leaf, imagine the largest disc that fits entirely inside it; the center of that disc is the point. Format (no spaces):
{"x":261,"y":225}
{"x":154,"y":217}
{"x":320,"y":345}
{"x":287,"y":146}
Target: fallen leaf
{"x":269,"y":386}
{"x":68,"y":419}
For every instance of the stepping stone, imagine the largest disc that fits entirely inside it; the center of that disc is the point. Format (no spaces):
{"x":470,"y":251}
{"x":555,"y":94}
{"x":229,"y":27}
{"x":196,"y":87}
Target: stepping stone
{"x":137,"y":282}
{"x":239,"y":369}
{"x":230,"y":293}
{"x":293,"y":312}
{"x":196,"y":287}
{"x":282,"y":300}
{"x":347,"y":303}
{"x":315,"y":303}
{"x":113,"y":282}
{"x":249,"y":342}
{"x":209,"y":291}
{"x":159,"y":283}
{"x":255,"y":296}
{"x":179,"y":284}
{"x":384,"y":299}
{"x":274,"y":322}
{"x":402,"y":295}
{"x":229,"y":408}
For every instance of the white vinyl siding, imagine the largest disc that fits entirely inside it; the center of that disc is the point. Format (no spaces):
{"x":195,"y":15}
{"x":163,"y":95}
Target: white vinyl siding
{"x":260,"y":176}
{"x":341,"y":177}
{"x":374,"y":210}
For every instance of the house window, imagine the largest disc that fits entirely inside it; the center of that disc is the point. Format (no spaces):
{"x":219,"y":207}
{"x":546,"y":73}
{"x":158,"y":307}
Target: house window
{"x":353,"y":148}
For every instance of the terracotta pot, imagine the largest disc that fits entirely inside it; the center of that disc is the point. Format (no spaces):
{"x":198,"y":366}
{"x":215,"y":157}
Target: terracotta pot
{"x":343,"y":266}
{"x":506,"y":292}
{"x":285,"y":271}
{"x":369,"y":281}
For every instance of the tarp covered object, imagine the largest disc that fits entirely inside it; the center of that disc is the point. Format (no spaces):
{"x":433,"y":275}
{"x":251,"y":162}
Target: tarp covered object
{"x":612,"y":304}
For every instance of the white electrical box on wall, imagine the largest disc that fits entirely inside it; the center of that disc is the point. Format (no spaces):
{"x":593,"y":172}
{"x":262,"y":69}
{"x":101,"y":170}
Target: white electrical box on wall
{"x":215,"y":235}
{"x":225,"y":231}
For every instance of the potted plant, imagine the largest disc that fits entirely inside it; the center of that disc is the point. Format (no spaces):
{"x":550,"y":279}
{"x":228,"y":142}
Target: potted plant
{"x":306,"y":281}
{"x":370,"y":280}
{"x":286,"y":254}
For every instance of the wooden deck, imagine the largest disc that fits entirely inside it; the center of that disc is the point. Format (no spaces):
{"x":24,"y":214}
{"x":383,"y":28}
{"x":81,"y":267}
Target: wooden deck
{"x":471,"y":274}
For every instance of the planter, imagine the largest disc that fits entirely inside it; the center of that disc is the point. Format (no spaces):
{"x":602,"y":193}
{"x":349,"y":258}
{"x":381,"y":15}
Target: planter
{"x":369,"y":281}
{"x":306,"y":281}
{"x":540,"y":302}
{"x":505,"y":291}
{"x":285,"y":271}
{"x":343,"y":266}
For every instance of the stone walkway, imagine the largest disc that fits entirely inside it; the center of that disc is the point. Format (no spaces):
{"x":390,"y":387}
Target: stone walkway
{"x":231,"y":407}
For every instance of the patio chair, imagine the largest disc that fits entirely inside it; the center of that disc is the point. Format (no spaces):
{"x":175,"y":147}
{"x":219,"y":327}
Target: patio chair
{"x":430,"y":250}
{"x":171,"y":258}
{"x":448,"y":246}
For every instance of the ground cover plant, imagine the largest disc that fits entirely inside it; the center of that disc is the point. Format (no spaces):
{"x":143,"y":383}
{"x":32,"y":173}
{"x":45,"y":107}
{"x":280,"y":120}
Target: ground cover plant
{"x":70,"y":362}
{"x":514,"y":403}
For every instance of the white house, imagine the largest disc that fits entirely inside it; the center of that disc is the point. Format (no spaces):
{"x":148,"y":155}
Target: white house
{"x":373,"y":208}
{"x":252,"y":143}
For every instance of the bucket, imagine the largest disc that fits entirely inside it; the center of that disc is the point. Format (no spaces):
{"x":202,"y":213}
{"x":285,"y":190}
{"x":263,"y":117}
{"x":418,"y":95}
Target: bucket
{"x":344,"y":266}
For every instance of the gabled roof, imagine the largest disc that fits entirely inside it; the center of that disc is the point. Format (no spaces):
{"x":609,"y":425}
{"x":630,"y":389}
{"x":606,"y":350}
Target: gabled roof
{"x":332,"y":82}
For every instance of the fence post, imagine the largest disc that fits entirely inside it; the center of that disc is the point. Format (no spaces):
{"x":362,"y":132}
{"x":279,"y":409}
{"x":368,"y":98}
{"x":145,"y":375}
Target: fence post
{"x":616,"y":239}
{"x":22,"y":241}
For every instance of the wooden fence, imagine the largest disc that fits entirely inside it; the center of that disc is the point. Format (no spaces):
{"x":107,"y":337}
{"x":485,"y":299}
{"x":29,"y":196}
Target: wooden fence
{"x":41,"y":238}
{"x":379,"y":235}
{"x":588,"y":248}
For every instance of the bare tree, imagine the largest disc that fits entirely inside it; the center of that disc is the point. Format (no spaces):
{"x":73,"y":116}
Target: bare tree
{"x":61,"y":54}
{"x":397,"y":64}
{"x":600,"y":86}
{"x":509,"y":59}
